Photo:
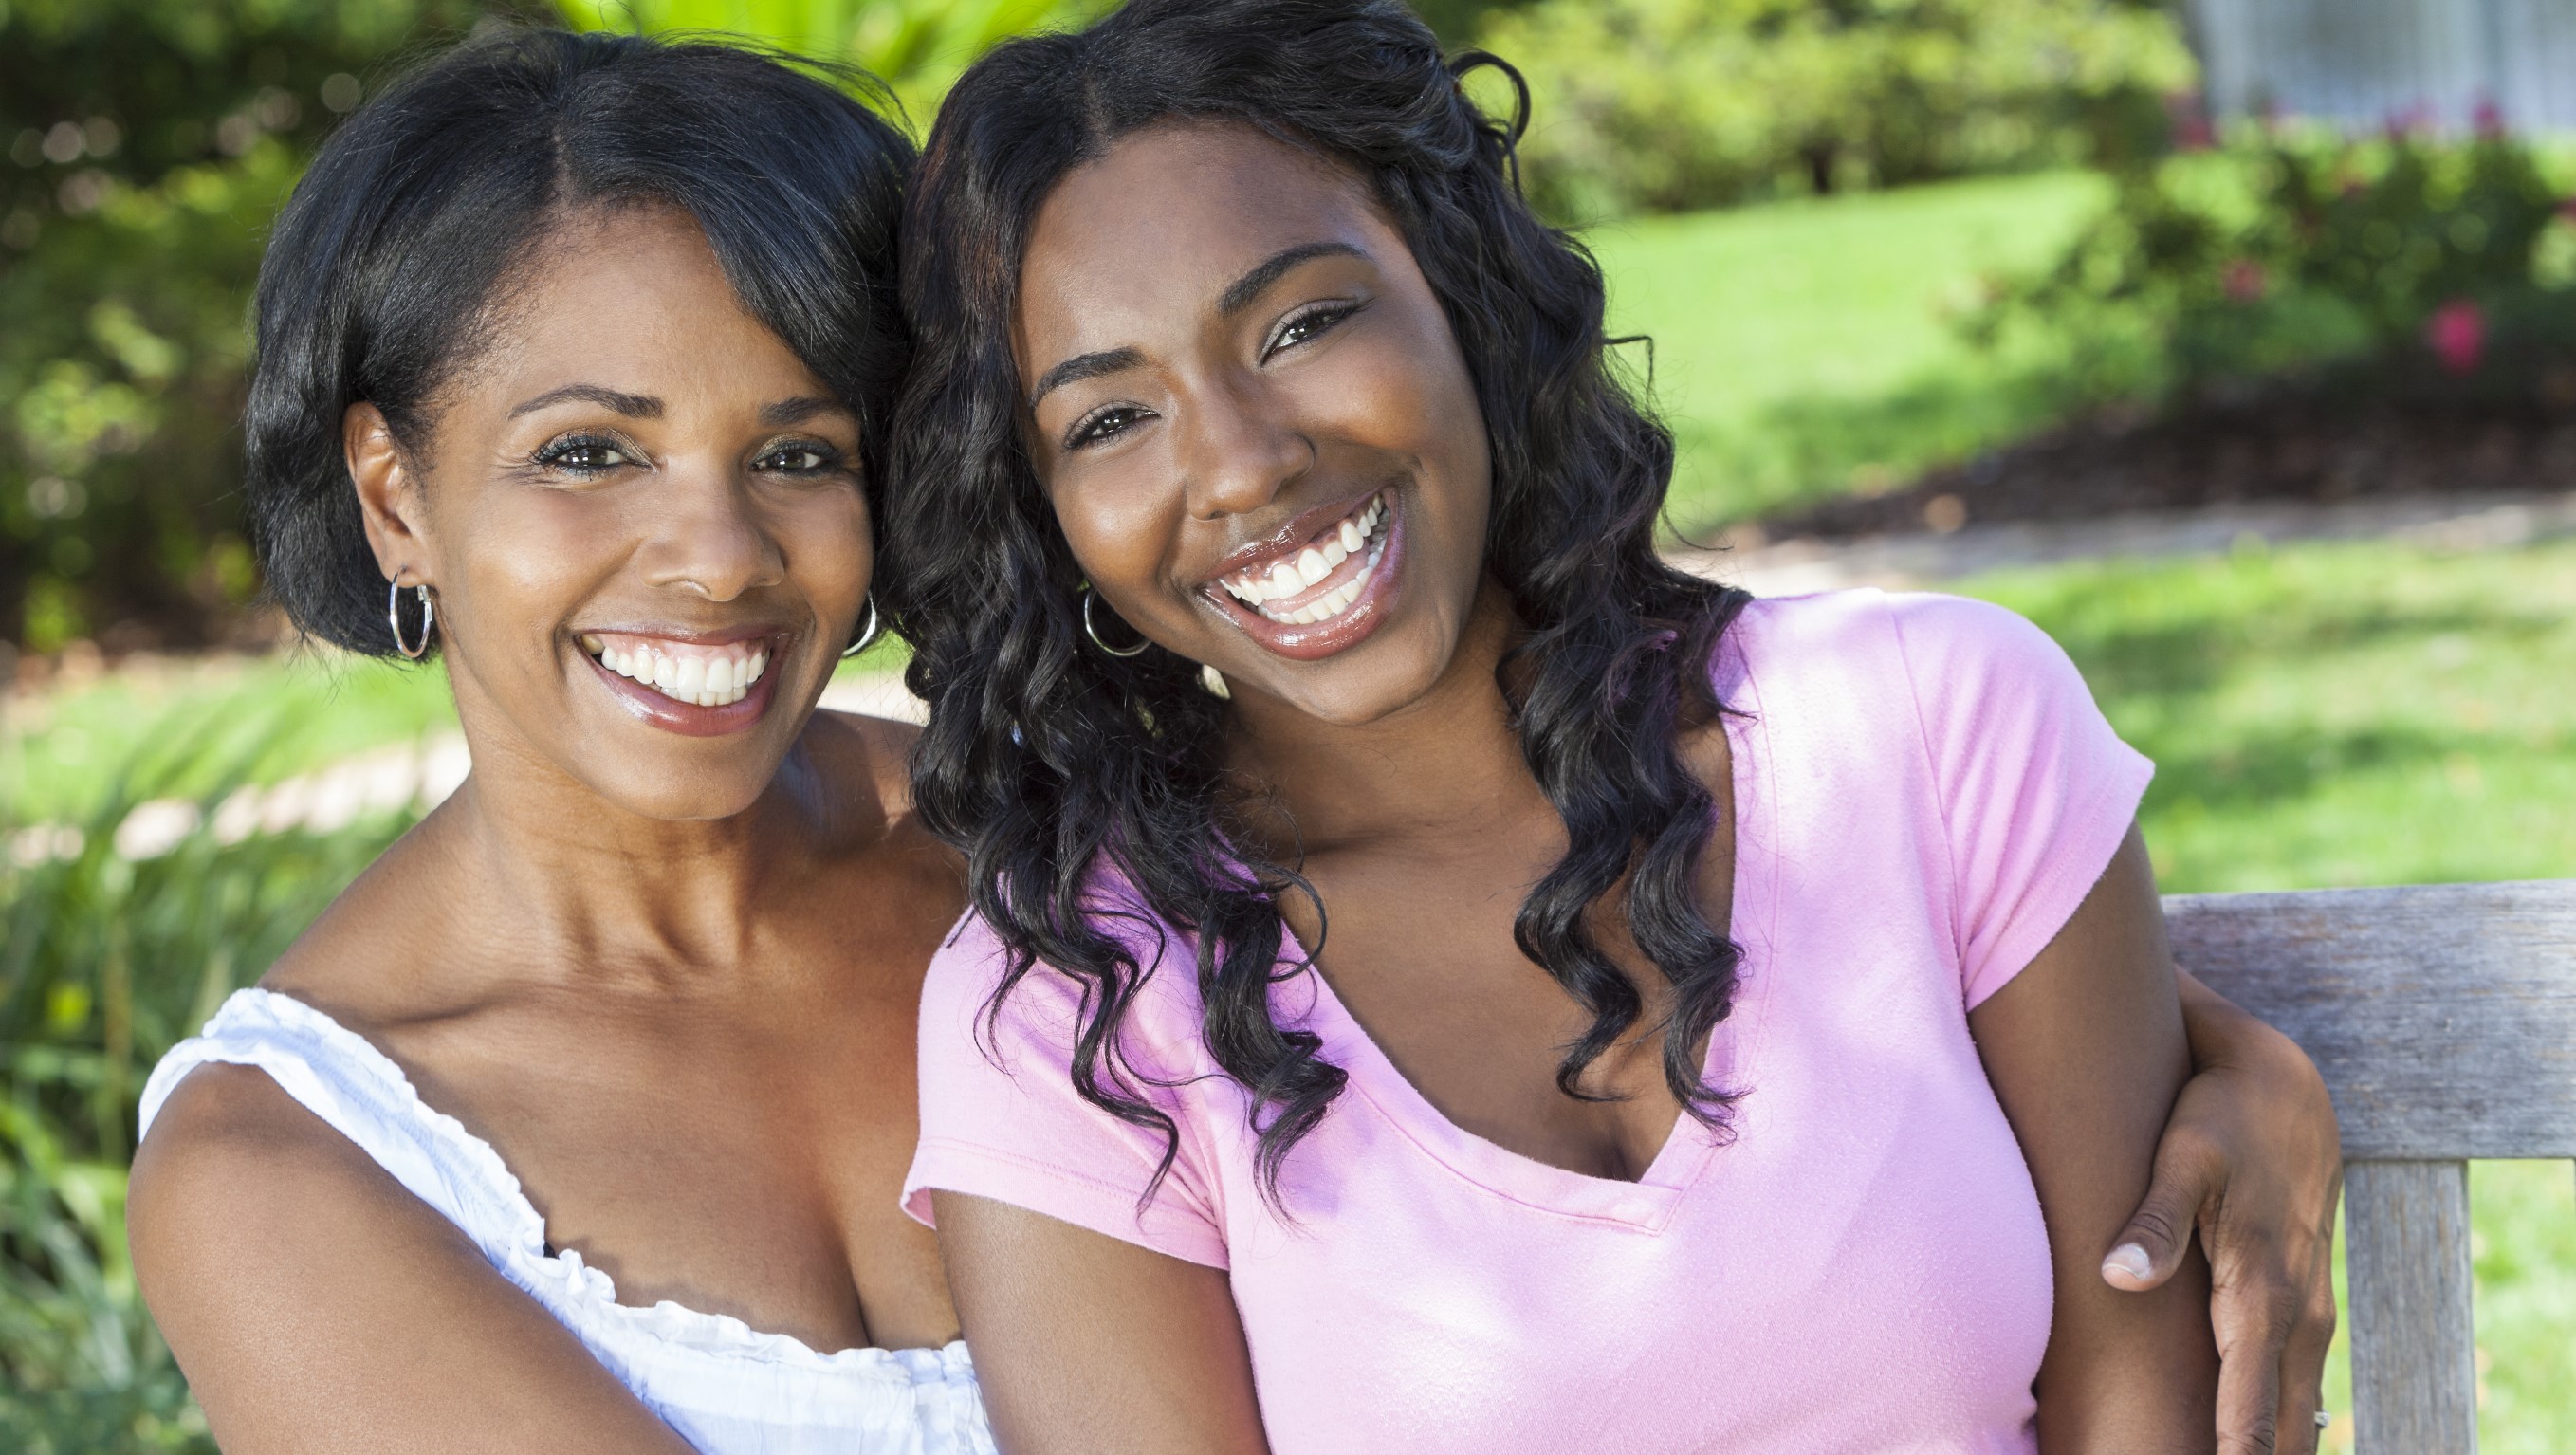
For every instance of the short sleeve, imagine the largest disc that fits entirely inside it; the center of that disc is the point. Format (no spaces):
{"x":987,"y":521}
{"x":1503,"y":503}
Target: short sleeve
{"x":1000,"y":1117}
{"x":2036,"y":791}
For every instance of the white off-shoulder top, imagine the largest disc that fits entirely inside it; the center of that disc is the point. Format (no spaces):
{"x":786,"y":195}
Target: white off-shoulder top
{"x":725,"y":1387}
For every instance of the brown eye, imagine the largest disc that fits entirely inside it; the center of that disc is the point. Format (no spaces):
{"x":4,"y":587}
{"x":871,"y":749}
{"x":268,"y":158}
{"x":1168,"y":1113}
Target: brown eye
{"x":583,"y":455}
{"x":1105,"y":424}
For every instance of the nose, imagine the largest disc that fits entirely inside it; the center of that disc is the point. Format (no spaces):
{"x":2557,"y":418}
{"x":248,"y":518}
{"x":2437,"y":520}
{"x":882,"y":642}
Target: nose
{"x":1240,"y":446}
{"x":706,"y":534}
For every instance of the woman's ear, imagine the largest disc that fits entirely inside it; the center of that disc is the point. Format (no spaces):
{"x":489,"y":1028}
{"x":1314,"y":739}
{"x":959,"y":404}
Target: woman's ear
{"x":389,"y":500}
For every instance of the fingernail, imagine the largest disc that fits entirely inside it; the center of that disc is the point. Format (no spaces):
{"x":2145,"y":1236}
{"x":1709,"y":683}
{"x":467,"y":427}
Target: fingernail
{"x":2129,"y":1260}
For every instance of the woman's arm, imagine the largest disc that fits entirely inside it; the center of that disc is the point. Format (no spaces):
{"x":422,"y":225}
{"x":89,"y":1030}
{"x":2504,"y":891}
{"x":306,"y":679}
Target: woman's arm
{"x":1084,"y":1343}
{"x":316,"y":1305}
{"x":2253,"y":1159}
{"x":2087,"y":1052}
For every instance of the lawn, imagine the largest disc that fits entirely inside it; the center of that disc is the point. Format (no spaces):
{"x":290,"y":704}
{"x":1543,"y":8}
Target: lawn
{"x":1805,"y":348}
{"x":2364,"y":714}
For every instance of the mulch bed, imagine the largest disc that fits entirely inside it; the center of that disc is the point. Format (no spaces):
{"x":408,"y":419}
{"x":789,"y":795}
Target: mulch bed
{"x":2274,"y":449}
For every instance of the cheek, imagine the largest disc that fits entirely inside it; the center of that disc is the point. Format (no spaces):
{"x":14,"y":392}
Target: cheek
{"x":529,"y":557}
{"x":1117,"y":517}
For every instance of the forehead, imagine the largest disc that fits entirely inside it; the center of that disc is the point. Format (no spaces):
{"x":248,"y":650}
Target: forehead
{"x":1156,"y":227}
{"x":632,"y":289}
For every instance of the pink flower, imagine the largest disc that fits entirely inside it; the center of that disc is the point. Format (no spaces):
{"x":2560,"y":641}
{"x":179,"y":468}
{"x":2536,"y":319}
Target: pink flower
{"x":2189,"y":119}
{"x":2567,"y":208}
{"x":2488,"y":118}
{"x":2245,"y":280}
{"x":2457,"y":335}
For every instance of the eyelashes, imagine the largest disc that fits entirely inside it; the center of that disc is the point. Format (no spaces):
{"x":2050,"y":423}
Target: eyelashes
{"x":590,"y":456}
{"x":1301,"y":327}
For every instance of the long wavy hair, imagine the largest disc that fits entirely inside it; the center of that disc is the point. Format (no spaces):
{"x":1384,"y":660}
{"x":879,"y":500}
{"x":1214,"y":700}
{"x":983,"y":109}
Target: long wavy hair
{"x":1049,"y":765}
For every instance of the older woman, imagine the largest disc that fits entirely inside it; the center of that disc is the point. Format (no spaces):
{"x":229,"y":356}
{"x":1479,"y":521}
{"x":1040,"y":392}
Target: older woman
{"x":1442,"y":979}
{"x":575,"y":1124}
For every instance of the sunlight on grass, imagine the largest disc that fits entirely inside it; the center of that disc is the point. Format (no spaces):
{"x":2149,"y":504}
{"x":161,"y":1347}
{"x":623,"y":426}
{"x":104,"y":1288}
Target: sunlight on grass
{"x":2364,"y":714}
{"x":1806,"y":348}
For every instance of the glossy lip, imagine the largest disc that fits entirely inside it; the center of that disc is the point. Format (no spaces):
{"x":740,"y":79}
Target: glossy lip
{"x":1284,"y":543}
{"x":687,"y":718}
{"x":1318,"y":640}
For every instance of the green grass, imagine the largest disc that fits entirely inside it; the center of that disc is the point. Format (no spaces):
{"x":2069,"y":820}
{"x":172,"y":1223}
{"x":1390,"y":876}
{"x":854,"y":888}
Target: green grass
{"x":2364,"y":714}
{"x":1807,"y":348}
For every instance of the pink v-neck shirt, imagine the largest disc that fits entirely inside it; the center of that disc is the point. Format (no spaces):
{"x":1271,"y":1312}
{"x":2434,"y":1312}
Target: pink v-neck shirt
{"x":1924,"y":794}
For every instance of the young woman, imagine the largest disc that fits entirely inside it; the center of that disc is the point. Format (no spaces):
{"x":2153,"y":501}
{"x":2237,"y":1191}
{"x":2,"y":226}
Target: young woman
{"x":576,"y":1123}
{"x":1442,"y":979}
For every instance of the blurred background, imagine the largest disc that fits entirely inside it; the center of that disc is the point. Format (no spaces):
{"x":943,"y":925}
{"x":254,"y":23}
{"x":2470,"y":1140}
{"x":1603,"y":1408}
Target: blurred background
{"x":2233,"y":341}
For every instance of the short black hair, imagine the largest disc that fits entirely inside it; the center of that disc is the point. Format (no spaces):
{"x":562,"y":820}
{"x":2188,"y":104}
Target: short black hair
{"x":387,"y":256}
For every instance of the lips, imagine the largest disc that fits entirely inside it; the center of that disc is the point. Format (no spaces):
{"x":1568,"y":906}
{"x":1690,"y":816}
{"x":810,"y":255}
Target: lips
{"x":697,"y":686}
{"x":1324,"y":588}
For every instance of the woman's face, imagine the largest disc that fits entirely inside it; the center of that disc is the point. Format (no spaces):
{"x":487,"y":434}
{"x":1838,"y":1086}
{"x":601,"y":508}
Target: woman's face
{"x":1252,"y":418}
{"x":642,"y":520}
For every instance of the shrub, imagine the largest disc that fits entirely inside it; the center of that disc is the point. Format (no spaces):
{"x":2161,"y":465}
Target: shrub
{"x":105,"y":962}
{"x":1672,"y":105}
{"x":2436,"y":268}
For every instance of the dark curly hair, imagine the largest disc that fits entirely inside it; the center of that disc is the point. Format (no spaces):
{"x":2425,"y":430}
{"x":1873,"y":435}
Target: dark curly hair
{"x":379,"y":281}
{"x":1047,"y":764}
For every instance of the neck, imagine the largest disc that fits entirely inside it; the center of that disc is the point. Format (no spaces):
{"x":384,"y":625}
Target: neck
{"x":1445,"y":764}
{"x":567,"y":883}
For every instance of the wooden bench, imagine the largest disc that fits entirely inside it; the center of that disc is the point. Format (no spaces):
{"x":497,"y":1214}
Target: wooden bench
{"x":2444,"y":1019}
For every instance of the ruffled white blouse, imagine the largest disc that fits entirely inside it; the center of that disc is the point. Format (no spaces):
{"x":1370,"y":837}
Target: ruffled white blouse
{"x":725,"y":1387}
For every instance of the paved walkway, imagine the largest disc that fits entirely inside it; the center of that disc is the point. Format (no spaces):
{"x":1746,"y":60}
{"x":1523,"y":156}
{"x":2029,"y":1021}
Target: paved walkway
{"x":2458,"y":523}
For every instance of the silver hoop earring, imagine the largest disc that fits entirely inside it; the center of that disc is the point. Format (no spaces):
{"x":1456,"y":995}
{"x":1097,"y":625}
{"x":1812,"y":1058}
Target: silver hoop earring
{"x":1093,"y":632}
{"x":393,"y":617}
{"x":867,"y":638}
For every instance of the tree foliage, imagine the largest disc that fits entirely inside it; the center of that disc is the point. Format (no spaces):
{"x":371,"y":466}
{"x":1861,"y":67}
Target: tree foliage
{"x":1672,"y":105}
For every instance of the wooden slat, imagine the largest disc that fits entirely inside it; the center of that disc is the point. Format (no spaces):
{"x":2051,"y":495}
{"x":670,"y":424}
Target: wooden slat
{"x":2414,"y":1359}
{"x":2443,"y":1016}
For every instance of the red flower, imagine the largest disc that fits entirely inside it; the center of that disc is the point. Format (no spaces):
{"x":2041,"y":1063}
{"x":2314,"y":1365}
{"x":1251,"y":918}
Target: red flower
{"x":2245,"y":280}
{"x":2457,"y":334}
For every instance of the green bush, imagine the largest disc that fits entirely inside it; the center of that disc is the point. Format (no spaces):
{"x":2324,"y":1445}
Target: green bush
{"x":105,"y":962}
{"x":149,"y":142}
{"x":1674,"y":105}
{"x":2438,"y":269}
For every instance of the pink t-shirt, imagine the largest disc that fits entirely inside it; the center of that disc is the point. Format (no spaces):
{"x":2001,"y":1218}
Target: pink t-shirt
{"x":1925,"y":792}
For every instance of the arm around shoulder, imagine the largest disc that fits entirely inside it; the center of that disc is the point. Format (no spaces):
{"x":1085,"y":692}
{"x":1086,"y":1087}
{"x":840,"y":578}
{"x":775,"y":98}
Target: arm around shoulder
{"x":314,"y":1304}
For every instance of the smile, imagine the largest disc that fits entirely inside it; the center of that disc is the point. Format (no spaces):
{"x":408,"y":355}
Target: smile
{"x":1313,"y":584}
{"x":691,"y":673}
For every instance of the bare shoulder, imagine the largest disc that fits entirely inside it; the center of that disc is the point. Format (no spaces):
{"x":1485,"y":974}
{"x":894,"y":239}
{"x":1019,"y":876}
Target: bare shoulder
{"x":234,"y":1172}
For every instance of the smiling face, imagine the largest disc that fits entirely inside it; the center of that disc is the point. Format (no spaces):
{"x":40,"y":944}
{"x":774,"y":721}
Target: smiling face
{"x":1252,"y":418}
{"x":642,"y":519}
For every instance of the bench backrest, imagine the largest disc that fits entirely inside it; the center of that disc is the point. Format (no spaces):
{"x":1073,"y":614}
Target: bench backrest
{"x":2444,"y":1019}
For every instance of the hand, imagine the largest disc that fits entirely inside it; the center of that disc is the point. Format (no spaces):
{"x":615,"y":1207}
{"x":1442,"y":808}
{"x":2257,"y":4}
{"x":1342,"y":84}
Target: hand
{"x":2252,"y":1158}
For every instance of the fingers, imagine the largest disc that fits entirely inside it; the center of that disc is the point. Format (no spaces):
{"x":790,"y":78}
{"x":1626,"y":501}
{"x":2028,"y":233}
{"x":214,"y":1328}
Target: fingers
{"x":2151,"y":1247}
{"x":2303,"y":1366}
{"x":2251,"y":1413}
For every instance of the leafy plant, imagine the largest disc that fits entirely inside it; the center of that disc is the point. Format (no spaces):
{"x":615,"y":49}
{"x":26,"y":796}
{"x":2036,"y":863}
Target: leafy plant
{"x":918,"y":47}
{"x":105,"y":962}
{"x":149,"y":142}
{"x":2435,"y":267}
{"x":1673,"y":105}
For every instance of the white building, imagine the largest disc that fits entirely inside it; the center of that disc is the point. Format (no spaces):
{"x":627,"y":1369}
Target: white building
{"x":2364,"y":62}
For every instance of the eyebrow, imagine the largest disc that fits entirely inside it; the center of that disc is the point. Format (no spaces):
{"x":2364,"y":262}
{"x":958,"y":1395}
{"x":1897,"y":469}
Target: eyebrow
{"x":796,"y":411}
{"x":1084,"y":366}
{"x":1238,"y":296}
{"x":633,"y":406}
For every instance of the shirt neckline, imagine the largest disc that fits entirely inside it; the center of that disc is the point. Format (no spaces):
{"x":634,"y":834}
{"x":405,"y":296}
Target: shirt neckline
{"x":1647,"y":1204}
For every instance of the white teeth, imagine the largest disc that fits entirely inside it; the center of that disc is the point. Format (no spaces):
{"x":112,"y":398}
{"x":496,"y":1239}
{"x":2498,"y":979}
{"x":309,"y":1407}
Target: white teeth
{"x":1311,"y":567}
{"x":1351,"y":537}
{"x":1335,"y":553}
{"x":708,"y":679}
{"x":1284,"y":580}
